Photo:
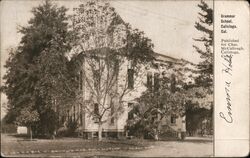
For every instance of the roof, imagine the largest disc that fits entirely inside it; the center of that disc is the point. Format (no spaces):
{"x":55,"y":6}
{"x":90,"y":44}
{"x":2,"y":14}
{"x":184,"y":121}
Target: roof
{"x":158,"y":57}
{"x":165,"y":58}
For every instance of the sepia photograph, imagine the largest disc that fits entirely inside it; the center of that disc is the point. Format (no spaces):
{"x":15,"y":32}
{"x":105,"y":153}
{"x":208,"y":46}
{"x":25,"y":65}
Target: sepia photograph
{"x":107,"y":78}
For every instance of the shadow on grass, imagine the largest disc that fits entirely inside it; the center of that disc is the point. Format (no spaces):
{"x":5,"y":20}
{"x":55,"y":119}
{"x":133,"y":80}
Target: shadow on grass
{"x":197,"y":140}
{"x":25,"y":137}
{"x":19,"y":135}
{"x":105,"y":156}
{"x":134,"y":144}
{"x":192,"y":140}
{"x":186,"y":140}
{"x":27,"y":140}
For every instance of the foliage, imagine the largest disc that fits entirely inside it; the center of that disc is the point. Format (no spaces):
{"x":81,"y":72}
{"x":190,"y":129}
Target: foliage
{"x":27,"y":117}
{"x":152,"y":107}
{"x":7,"y":127}
{"x":195,"y":117}
{"x":37,"y":70}
{"x":201,"y":93}
{"x":48,"y":124}
{"x":71,"y":127}
{"x":200,"y":96}
{"x":204,"y":25}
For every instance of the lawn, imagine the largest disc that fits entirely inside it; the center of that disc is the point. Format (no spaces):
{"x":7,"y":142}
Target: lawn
{"x":12,"y":144}
{"x":21,"y":146}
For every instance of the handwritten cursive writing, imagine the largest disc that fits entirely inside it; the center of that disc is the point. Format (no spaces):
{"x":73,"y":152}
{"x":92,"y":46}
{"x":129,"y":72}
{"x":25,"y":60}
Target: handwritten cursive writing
{"x":229,"y":117}
{"x":227,"y":63}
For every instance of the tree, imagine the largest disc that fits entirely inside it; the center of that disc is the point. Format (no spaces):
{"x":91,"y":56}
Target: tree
{"x":37,"y":71}
{"x":202,"y":90}
{"x":107,"y":44}
{"x":195,"y":116}
{"x":199,"y":108}
{"x":204,"y":25}
{"x":154,"y":105}
{"x":27,"y":117}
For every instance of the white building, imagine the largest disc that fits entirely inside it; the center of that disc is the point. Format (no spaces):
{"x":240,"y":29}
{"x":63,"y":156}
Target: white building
{"x":115,"y":122}
{"x":125,"y":85}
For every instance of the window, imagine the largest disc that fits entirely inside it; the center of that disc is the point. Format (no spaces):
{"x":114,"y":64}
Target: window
{"x":62,"y":119}
{"x":96,"y":113}
{"x":80,"y":80}
{"x":131,"y":113}
{"x":130,"y":105}
{"x":97,"y":79}
{"x":80,"y":115}
{"x":130,"y":78}
{"x":81,"y":118}
{"x":149,"y":80}
{"x":96,"y":109}
{"x":156,"y":81}
{"x":112,"y":121}
{"x":173,"y":83}
{"x":154,"y":115}
{"x":68,"y":114}
{"x":173,"y":119}
{"x":74,"y":114}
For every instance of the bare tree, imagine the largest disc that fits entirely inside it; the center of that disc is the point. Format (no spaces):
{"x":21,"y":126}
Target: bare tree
{"x":112,"y":63}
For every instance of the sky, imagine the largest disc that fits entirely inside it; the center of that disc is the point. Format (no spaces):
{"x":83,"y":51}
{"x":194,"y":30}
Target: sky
{"x":169,"y":24}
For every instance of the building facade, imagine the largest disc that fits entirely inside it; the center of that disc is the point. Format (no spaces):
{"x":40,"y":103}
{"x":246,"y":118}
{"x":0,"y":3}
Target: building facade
{"x":126,"y":83}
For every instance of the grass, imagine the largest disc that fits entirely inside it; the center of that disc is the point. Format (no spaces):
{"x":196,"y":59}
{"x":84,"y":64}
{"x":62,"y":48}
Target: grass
{"x":19,"y":144}
{"x":190,"y":147}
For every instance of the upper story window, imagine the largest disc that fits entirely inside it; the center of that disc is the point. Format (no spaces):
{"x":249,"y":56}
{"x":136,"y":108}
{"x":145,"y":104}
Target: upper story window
{"x":96,"y":112}
{"x":156,"y":81}
{"x":149,"y":80}
{"x":97,"y":79}
{"x":130,"y":105}
{"x":130,"y":75}
{"x":130,"y":78}
{"x":153,"y":81}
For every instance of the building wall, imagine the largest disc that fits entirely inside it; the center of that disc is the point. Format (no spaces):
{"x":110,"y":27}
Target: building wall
{"x":164,"y":69}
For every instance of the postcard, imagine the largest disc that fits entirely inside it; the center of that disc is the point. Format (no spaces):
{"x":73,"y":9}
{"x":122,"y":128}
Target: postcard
{"x":124,"y":78}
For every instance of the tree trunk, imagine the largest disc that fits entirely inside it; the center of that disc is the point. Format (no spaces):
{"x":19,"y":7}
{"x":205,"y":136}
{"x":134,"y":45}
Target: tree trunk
{"x":100,"y":132}
{"x":156,"y":137}
{"x":156,"y":134}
